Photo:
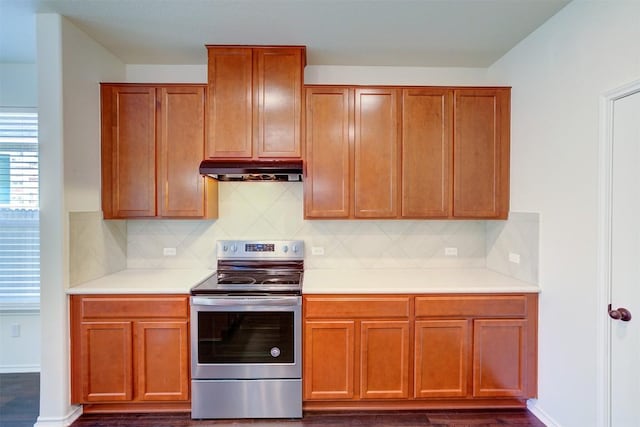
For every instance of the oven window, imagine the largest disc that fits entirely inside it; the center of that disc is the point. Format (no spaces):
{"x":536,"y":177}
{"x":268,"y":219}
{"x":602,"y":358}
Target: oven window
{"x":245,"y":337}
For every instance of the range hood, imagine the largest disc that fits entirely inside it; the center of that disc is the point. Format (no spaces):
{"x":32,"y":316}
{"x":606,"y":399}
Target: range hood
{"x":252,"y":170}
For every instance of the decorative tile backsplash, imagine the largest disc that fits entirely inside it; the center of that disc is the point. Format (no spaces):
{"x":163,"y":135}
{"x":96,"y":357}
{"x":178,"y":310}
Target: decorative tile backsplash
{"x":96,"y":247}
{"x":517,"y":236}
{"x":274,"y":210}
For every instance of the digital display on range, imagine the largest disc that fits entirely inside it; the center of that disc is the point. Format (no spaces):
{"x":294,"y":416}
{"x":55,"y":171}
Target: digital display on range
{"x":259,"y":247}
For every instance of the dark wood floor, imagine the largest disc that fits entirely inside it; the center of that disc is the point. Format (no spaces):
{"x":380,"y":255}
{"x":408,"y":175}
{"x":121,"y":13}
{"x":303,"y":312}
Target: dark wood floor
{"x":19,"y":399}
{"x":514,"y":418}
{"x":19,"y":407}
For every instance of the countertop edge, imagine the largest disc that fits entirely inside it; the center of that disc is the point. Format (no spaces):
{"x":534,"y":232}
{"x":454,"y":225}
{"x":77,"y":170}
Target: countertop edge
{"x":318,"y":282}
{"x":143,"y":281}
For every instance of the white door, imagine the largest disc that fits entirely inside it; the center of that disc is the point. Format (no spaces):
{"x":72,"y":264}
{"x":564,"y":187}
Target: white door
{"x":625,"y":263}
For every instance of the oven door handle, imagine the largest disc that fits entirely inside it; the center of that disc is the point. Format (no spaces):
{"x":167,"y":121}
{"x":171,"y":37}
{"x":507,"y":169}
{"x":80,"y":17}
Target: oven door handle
{"x":288,"y":301}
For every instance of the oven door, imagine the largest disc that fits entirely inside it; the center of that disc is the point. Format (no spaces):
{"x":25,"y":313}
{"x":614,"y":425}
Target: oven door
{"x":246,"y":337}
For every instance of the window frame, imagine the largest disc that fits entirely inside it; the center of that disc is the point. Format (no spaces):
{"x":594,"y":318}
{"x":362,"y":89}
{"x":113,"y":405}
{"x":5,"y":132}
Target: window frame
{"x":29,"y":300}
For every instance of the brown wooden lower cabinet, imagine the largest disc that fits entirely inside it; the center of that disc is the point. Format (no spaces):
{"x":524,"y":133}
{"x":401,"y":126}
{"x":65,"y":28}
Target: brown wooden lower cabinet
{"x":441,"y":360}
{"x":419,"y":351}
{"x":329,"y":359}
{"x":384,"y":359}
{"x":499,"y":362}
{"x":130,"y":352}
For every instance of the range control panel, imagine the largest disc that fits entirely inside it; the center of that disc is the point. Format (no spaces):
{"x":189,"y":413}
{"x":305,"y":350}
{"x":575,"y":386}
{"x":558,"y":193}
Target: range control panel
{"x":252,"y":249}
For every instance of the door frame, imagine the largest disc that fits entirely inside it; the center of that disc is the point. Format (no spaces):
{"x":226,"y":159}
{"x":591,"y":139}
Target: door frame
{"x":605,"y":170}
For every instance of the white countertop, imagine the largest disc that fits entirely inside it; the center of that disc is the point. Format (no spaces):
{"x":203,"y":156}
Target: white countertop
{"x":412,"y":281}
{"x":144,"y":281}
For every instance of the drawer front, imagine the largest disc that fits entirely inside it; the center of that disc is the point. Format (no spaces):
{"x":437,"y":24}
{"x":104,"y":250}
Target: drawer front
{"x":152,"y":306}
{"x":340,"y":307}
{"x":471,"y":306}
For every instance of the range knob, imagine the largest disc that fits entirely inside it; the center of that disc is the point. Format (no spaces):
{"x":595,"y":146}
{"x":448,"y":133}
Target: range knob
{"x":234,"y":248}
{"x":225,"y":248}
{"x":294,"y":248}
{"x":285,"y":249}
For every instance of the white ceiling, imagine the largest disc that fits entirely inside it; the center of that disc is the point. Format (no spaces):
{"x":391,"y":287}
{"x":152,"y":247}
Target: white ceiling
{"x":456,"y":33}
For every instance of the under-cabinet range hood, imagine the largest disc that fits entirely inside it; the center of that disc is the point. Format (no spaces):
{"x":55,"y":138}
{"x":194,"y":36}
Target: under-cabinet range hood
{"x":252,"y":170}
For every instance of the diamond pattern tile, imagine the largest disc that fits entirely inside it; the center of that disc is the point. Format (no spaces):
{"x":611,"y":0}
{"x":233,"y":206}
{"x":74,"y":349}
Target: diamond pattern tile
{"x":271,"y":210}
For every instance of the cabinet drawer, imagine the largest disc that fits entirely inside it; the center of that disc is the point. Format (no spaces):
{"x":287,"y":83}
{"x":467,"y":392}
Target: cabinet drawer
{"x":152,"y":306}
{"x":471,"y":306}
{"x":339,"y":307}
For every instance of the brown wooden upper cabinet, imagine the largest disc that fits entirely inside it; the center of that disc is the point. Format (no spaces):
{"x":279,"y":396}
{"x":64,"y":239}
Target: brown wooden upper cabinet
{"x":426,"y":152}
{"x":329,"y":152}
{"x":481,"y":152}
{"x":153,"y":140}
{"x":255,"y":101}
{"x":352,"y":152}
{"x":415,"y":152}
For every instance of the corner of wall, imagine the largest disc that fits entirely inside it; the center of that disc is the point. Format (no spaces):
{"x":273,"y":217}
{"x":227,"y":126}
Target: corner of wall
{"x":512,"y":246}
{"x":96,"y":247}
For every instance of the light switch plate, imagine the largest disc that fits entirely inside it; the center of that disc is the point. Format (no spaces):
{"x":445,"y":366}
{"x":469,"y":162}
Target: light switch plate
{"x":514,"y":258}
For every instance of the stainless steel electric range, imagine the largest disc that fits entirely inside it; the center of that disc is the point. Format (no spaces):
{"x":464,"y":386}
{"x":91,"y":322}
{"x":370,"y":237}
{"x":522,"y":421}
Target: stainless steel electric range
{"x":246,"y":331}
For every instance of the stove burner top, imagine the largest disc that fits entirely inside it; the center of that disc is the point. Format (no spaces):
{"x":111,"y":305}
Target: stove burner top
{"x":236,"y":280}
{"x":251,"y":281}
{"x":250,"y":266}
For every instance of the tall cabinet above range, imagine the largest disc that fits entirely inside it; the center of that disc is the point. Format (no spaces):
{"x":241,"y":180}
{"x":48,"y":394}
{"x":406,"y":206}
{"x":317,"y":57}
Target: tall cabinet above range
{"x":255,"y":102}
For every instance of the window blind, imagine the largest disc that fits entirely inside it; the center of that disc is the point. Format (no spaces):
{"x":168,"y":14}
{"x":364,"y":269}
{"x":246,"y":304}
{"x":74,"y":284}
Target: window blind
{"x":19,"y":205}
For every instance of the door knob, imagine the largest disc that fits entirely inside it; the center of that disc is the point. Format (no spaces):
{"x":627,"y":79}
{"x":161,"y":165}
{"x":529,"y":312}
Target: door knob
{"x":620,"y":314}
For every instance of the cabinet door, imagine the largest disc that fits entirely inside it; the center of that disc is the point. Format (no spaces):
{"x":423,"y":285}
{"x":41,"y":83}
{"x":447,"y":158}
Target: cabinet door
{"x":181,"y":138}
{"x":106,"y":361}
{"x":426,"y":152}
{"x":499,"y":357}
{"x":327,"y":181}
{"x":384,"y":359}
{"x":230,"y":102}
{"x":481,"y":153}
{"x":442,"y":358}
{"x":129,"y":151}
{"x":329,"y":360}
{"x":376,"y":153}
{"x":278,"y":101}
{"x":162,"y":360}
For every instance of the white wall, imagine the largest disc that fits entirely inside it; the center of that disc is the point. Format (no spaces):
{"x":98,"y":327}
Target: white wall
{"x":558,"y":75}
{"x":21,"y":353}
{"x":166,"y":73}
{"x":406,"y":76}
{"x":70,"y":65}
{"x":18,"y":85}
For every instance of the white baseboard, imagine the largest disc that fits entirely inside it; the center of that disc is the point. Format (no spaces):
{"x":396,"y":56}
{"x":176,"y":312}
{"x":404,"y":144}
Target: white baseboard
{"x":18,"y":369}
{"x":67,"y":420}
{"x":532,"y":406}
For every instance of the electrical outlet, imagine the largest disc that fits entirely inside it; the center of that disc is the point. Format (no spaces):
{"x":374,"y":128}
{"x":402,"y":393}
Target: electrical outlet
{"x":169,"y":252}
{"x":317,"y":250}
{"x":451,"y":251}
{"x":15,"y":330}
{"x":514,"y":258}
